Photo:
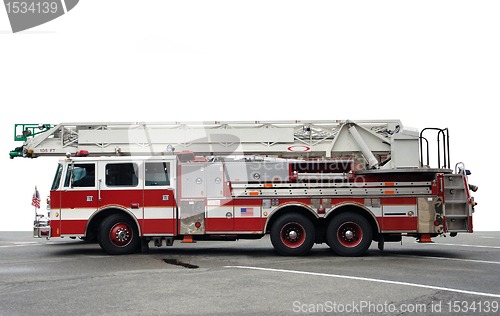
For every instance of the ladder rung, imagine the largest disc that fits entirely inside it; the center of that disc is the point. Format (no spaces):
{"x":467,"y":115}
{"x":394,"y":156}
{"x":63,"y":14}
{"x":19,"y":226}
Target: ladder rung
{"x":457,"y":216}
{"x":456,"y":202}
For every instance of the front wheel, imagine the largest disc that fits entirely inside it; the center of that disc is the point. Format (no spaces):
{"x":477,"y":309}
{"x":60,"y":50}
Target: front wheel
{"x":349,"y":234}
{"x":292,"y":235}
{"x":118,"y":235}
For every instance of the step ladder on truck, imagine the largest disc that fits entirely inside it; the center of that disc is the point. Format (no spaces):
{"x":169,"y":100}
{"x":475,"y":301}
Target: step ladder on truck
{"x":344,"y":183}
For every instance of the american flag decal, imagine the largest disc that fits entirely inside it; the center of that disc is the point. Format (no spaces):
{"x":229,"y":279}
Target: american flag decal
{"x":35,"y":201}
{"x":247,"y":211}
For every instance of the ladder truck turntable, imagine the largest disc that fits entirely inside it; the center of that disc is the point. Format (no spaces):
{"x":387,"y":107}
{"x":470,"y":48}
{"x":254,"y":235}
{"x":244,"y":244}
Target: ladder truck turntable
{"x":344,"y":183}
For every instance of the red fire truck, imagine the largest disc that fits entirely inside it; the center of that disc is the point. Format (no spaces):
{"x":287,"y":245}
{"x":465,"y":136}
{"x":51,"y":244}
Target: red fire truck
{"x":344,"y":183}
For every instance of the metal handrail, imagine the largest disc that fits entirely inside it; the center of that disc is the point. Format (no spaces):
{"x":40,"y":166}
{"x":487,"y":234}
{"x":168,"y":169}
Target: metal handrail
{"x":443,"y":134}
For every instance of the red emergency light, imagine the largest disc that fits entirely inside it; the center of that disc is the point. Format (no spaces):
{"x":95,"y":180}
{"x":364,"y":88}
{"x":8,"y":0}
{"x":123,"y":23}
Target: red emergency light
{"x":82,"y":153}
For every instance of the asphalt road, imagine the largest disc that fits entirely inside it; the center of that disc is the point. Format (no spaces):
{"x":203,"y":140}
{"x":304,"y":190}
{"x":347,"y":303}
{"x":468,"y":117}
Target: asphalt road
{"x":453,"y":276}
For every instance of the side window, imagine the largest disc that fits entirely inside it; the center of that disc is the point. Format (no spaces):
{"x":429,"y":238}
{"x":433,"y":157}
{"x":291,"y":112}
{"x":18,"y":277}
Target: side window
{"x":82,"y":175}
{"x":121,"y":174}
{"x":157,"y":173}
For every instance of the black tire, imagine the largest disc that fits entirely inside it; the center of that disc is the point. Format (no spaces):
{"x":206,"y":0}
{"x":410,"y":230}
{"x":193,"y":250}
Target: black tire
{"x":90,"y":238}
{"x":349,"y":234}
{"x":292,"y":235}
{"x":118,"y":235}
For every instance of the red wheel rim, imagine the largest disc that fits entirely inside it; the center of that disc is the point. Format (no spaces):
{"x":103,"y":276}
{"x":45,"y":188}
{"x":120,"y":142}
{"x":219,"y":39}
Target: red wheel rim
{"x":350,"y":234}
{"x":121,"y":235}
{"x":293,"y":235}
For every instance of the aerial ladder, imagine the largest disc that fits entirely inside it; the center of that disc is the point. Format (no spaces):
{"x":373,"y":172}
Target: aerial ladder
{"x":386,"y":155}
{"x":375,"y":143}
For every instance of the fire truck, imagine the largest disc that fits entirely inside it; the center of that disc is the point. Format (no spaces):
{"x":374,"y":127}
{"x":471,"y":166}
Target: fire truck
{"x":343,"y":183}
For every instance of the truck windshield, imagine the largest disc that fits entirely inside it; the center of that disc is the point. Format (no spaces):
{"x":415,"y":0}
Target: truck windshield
{"x":57,"y":178}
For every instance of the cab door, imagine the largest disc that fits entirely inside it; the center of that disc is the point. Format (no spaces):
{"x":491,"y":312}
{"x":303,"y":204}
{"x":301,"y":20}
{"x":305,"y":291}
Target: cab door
{"x":159,"y":197}
{"x":78,"y":197}
{"x":120,"y":187}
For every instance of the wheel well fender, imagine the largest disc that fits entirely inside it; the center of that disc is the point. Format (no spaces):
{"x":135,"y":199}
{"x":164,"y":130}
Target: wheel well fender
{"x":289,"y":208}
{"x":98,"y":216}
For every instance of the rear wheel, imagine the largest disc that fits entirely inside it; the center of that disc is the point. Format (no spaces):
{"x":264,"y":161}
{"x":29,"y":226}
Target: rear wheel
{"x":292,"y":235}
{"x":118,"y":235}
{"x":349,"y":234}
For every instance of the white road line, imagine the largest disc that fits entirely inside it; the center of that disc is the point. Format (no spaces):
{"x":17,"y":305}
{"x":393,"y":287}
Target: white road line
{"x":456,"y":259}
{"x":20,"y":244}
{"x":439,"y":288}
{"x":458,"y":245}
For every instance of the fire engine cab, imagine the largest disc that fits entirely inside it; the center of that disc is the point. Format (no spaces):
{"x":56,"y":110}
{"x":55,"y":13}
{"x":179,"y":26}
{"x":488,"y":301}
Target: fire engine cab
{"x":344,"y":183}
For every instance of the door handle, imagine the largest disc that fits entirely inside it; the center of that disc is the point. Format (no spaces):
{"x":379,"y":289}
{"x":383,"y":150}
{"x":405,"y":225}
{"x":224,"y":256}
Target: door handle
{"x":99,"y":189}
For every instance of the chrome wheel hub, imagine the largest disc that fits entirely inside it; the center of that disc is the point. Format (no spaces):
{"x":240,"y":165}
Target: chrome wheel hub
{"x":122,"y":235}
{"x":292,"y":234}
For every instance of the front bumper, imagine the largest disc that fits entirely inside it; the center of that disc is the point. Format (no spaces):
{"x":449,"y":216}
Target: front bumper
{"x":41,"y":227}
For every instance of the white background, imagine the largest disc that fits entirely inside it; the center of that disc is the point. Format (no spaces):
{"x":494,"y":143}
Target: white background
{"x":428,"y":63}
